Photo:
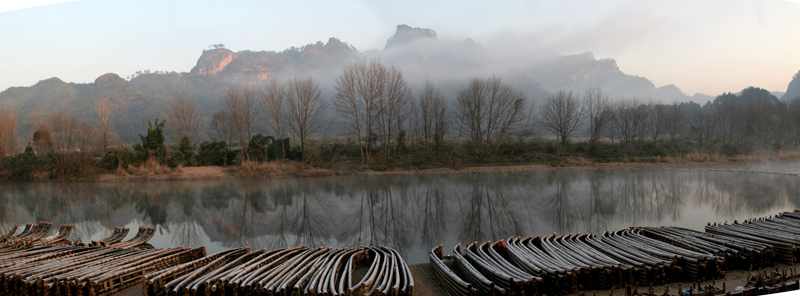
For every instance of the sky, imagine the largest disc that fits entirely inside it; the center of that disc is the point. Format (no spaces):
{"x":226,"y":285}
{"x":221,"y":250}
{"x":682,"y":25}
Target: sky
{"x":706,"y":47}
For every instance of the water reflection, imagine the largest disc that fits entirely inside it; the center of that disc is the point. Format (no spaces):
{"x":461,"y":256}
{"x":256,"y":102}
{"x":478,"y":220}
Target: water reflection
{"x":409,"y":213}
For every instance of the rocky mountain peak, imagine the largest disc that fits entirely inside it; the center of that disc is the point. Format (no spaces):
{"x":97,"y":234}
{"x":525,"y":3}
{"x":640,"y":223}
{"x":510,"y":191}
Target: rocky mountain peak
{"x":406,"y":35}
{"x":793,"y":91}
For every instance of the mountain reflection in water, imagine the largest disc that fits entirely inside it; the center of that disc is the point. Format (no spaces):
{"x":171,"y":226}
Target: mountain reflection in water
{"x":411,"y":213}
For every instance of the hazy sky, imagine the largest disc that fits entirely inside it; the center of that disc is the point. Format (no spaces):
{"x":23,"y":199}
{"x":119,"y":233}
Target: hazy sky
{"x":700,"y":46}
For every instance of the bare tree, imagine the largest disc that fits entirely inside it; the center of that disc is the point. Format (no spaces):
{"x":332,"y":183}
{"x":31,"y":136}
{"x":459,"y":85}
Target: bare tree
{"x":432,"y":117}
{"x":630,"y":122}
{"x":726,"y":114}
{"x":305,"y":106}
{"x":656,"y":120}
{"x":393,"y":109}
{"x":704,"y":125}
{"x":103,"y":110}
{"x":598,"y":112}
{"x":274,"y":106}
{"x":562,"y":115}
{"x":674,"y":121}
{"x":242,"y":114}
{"x":220,"y":127}
{"x":359,"y":90}
{"x":184,"y":119}
{"x":71,"y":144}
{"x":488,"y":109}
{"x":8,"y":131}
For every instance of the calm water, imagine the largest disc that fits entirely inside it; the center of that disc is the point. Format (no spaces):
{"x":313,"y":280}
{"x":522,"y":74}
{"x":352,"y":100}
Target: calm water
{"x":410,"y":213}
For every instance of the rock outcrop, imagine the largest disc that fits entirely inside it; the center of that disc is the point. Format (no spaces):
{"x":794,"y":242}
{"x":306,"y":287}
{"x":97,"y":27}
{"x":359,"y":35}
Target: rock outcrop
{"x":110,"y":79}
{"x":213,"y":61}
{"x":406,"y":35}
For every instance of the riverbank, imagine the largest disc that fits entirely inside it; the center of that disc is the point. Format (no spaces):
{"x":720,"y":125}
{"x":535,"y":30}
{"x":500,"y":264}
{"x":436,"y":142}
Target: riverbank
{"x":289,"y":169}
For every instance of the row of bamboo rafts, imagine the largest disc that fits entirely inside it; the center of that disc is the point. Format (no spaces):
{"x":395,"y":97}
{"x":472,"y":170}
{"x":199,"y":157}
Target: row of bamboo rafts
{"x":781,"y":232}
{"x":78,"y":270}
{"x":34,"y":235}
{"x":566,"y":264}
{"x":60,"y":269}
{"x":290,"y":271}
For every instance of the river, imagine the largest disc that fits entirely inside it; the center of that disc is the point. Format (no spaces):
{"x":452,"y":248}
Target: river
{"x":411,"y":213}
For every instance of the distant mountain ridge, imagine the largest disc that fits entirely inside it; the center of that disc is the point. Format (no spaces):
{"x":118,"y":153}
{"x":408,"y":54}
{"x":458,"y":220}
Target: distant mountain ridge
{"x":417,"y":52}
{"x":793,"y":90}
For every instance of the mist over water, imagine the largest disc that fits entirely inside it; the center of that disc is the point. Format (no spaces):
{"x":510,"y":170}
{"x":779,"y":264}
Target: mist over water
{"x":411,"y":213}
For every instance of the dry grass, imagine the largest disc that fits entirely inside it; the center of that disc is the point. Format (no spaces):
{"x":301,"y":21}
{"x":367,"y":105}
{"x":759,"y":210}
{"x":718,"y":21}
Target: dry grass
{"x":149,"y":168}
{"x":277,"y":169}
{"x":745,"y":158}
{"x":270,"y":168}
{"x":784,"y":155}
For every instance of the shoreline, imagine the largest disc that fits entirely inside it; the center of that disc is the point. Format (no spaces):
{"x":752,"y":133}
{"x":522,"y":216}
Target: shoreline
{"x":236,"y":172}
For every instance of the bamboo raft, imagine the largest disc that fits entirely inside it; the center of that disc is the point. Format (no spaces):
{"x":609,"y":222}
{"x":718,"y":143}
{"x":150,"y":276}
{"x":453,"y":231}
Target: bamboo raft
{"x":291,"y":271}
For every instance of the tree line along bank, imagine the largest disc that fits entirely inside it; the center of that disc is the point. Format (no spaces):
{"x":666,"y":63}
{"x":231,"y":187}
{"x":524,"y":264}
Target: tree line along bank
{"x":376,"y":121}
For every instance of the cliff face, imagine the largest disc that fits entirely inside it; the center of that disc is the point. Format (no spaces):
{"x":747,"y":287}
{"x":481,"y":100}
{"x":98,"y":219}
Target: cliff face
{"x":213,"y":61}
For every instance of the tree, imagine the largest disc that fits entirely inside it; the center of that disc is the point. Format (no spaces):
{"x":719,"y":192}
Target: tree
{"x":306,"y":107}
{"x":675,"y":121}
{"x":274,"y":106}
{"x":656,"y":121}
{"x":184,"y":117}
{"x":8,"y":131}
{"x":393,"y":109}
{"x":215,"y":153}
{"x":153,"y":143}
{"x":726,"y":114}
{"x":431,"y":117}
{"x":703,"y":125}
{"x":598,"y":112}
{"x":562,"y":115}
{"x":488,"y":109}
{"x":793,"y":110}
{"x":70,"y":144}
{"x":242,"y":115}
{"x":183,"y":154}
{"x":359,"y":90}
{"x":103,"y":110}
{"x":630,"y":122}
{"x":220,"y":127}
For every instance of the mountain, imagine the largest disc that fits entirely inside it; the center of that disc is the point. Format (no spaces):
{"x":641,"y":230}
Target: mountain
{"x":419,"y":53}
{"x":793,"y":91}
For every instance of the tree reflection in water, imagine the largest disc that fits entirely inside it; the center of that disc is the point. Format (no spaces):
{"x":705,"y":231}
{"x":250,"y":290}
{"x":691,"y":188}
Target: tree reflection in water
{"x":560,"y":210}
{"x":488,"y":215}
{"x":409,"y":213}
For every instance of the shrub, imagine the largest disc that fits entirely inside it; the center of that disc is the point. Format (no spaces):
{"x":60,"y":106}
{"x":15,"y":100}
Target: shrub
{"x":120,"y":157}
{"x":184,"y":154}
{"x":215,"y":153}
